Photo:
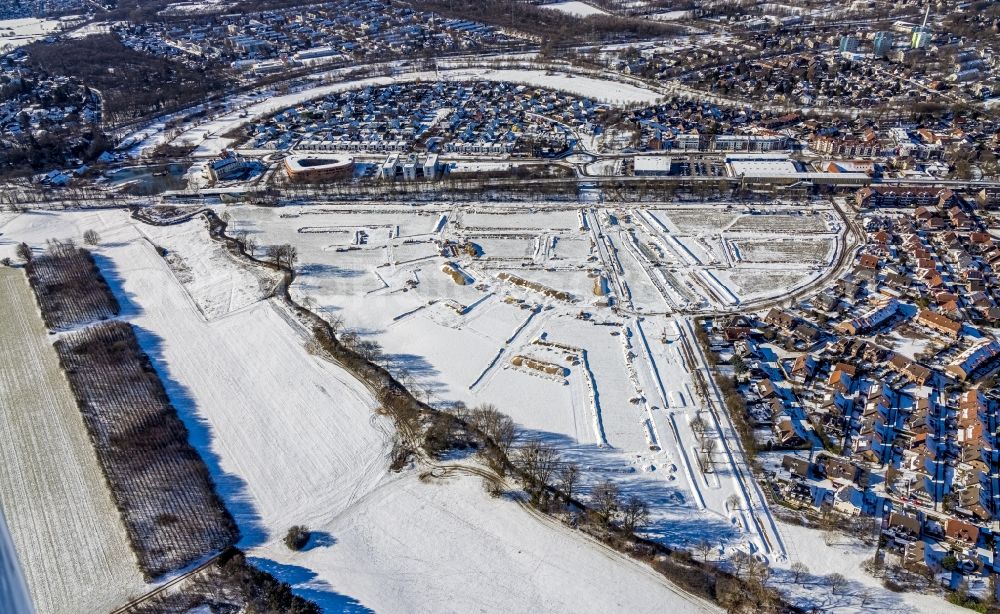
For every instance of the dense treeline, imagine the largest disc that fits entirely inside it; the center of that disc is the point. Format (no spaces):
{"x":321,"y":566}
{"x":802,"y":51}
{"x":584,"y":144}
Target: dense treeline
{"x":161,"y":486}
{"x":230,"y":585}
{"x":52,"y":148}
{"x":43,"y":141}
{"x":131,"y":84}
{"x":68,"y":285}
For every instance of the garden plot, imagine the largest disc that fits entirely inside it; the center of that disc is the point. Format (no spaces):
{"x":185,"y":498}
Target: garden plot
{"x":704,"y":250}
{"x":566,"y":247}
{"x":751,"y":284}
{"x":798,"y":251}
{"x":498,"y":247}
{"x":405,"y":253}
{"x":67,"y":532}
{"x":696,"y":221}
{"x":500,"y":321}
{"x":784,"y":222}
{"x":520,"y":219}
{"x":216,"y":283}
{"x":579,"y":284}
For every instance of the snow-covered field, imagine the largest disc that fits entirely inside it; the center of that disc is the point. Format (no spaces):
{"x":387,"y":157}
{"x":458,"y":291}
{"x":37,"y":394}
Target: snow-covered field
{"x":292,"y":439}
{"x":671,"y":15}
{"x":625,"y":400}
{"x":64,"y":525}
{"x":575,"y":8}
{"x":216,"y":283}
{"x":845,"y":555}
{"x":19,"y":32}
{"x":448,"y":547}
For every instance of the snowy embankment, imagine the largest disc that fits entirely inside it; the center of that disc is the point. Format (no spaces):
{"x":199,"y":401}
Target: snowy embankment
{"x":19,"y":32}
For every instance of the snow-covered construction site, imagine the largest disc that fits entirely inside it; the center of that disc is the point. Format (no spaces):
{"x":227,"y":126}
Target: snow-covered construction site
{"x":291,"y":438}
{"x":576,"y":321}
{"x":579,"y":321}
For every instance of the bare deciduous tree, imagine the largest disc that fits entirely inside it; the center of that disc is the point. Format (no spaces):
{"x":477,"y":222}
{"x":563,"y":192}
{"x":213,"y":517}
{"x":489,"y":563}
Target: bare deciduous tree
{"x":604,"y":499}
{"x":90,"y":237}
{"x":349,"y":339}
{"x":24,"y":252}
{"x":709,"y":446}
{"x":283,"y":255}
{"x":635,"y":514}
{"x":569,"y":476}
{"x":370,"y":350}
{"x":830,"y":537}
{"x":698,"y":427}
{"x":704,"y":548}
{"x":705,"y":462}
{"x":837,"y":583}
{"x":499,"y":431}
{"x":539,"y":461}
{"x":740,"y":561}
{"x":865,"y":597}
{"x":799,"y":571}
{"x":874,"y":566}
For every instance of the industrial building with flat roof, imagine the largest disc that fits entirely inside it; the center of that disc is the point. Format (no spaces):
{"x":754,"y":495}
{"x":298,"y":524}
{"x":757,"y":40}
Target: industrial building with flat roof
{"x":779,"y":168}
{"x":651,"y":166}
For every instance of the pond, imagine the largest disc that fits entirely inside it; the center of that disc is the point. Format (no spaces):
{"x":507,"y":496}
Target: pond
{"x":151,"y":179}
